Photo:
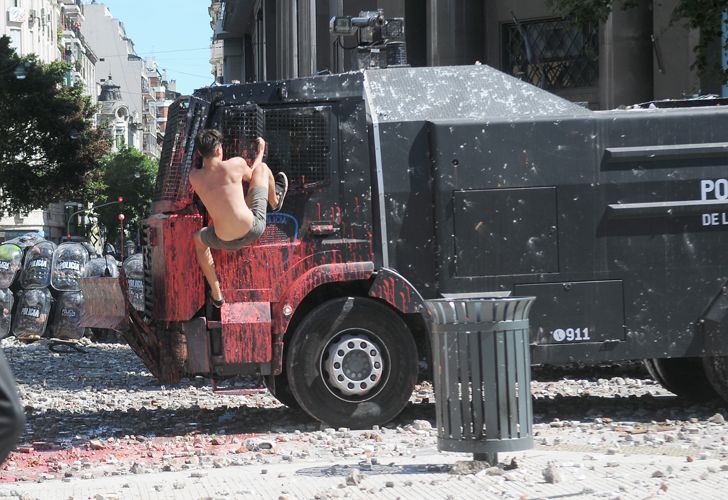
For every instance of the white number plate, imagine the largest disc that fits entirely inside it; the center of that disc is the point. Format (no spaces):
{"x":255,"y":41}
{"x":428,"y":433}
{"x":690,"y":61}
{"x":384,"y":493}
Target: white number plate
{"x":571,"y":335}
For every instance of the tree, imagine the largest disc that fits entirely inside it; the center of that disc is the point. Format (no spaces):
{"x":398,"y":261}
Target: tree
{"x":130,"y":174}
{"x":703,"y":15}
{"x":49,"y":148}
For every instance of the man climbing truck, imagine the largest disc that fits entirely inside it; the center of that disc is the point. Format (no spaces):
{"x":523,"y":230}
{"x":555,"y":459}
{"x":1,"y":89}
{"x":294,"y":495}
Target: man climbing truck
{"x":408,"y":184}
{"x":240,"y":219}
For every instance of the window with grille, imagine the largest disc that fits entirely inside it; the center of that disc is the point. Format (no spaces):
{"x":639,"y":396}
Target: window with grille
{"x":299,"y":139}
{"x":240,"y":126}
{"x":299,"y":144}
{"x":552,"y":54}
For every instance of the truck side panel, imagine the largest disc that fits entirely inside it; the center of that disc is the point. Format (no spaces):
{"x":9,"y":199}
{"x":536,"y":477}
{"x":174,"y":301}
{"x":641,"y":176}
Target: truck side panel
{"x":404,"y":217}
{"x":570,"y":210}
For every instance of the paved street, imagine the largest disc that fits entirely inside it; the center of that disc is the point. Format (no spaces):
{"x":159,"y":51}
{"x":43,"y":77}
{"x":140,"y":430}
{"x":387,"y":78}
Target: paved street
{"x":100,"y":427}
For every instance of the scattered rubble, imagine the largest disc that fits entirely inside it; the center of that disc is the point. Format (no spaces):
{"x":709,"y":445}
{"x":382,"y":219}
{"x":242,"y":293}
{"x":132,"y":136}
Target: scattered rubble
{"x":102,"y":414}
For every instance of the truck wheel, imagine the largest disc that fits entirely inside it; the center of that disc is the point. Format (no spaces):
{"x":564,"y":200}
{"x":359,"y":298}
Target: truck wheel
{"x":352,"y":362}
{"x":716,"y":372}
{"x":281,"y":390}
{"x":685,"y":377}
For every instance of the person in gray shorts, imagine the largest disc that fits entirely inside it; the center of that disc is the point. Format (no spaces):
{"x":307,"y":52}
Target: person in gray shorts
{"x":257,"y":201}
{"x":239,"y":219}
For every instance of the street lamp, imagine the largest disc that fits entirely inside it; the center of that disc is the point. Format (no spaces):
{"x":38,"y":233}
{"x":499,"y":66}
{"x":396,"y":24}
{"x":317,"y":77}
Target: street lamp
{"x":121,"y":237}
{"x":68,"y":222}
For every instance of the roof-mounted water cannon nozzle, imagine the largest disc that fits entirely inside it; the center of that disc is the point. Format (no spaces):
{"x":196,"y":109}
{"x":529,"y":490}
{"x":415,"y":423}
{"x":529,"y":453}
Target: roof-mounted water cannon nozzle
{"x":380,"y":39}
{"x":369,"y":19}
{"x":347,"y":25}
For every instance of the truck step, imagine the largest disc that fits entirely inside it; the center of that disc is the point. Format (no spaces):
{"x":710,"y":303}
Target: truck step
{"x":238,"y":391}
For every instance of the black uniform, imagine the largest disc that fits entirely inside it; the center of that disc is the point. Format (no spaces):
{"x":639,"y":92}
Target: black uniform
{"x":12,"y":419}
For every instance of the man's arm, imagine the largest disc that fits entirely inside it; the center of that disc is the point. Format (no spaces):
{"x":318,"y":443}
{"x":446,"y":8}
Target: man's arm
{"x":239,"y":163}
{"x":261,"y":151}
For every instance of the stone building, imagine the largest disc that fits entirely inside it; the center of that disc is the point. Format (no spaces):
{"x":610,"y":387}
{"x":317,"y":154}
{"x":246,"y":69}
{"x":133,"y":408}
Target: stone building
{"x":117,"y":60}
{"x":637,"y":55}
{"x":76,"y":50}
{"x":133,"y":93}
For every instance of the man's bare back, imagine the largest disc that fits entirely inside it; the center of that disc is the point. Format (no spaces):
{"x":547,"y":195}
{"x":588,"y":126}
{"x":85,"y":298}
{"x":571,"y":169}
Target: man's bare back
{"x":219,"y":184}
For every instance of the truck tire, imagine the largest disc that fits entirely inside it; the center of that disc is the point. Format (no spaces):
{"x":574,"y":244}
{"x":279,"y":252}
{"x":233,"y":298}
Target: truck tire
{"x":352,"y":362}
{"x":279,"y":388}
{"x":685,"y":377}
{"x":716,"y":372}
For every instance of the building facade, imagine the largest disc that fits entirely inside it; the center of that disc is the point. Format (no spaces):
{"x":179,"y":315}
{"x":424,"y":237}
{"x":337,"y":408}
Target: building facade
{"x":132,"y":93}
{"x":637,"y":55}
{"x":50,"y":30}
{"x":76,"y":50}
{"x":118,"y":62}
{"x":32,"y":26}
{"x":162,"y":94}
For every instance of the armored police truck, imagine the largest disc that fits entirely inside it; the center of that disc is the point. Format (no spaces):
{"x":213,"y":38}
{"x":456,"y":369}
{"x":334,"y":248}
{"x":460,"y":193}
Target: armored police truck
{"x":408,"y":184}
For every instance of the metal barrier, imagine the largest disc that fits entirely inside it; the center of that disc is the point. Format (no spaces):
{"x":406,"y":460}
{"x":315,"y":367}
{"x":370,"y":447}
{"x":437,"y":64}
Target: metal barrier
{"x":482,"y":375}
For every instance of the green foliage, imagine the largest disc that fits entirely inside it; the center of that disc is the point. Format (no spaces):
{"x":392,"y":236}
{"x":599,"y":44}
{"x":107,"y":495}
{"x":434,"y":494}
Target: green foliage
{"x":130,"y":174}
{"x":49,"y":149}
{"x":703,"y":15}
{"x":582,"y":11}
{"x":706,"y":16}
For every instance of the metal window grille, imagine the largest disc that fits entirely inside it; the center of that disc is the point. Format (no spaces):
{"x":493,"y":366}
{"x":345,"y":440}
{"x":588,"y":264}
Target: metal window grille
{"x":240,"y":126}
{"x":186,"y":118}
{"x":562,"y":54}
{"x":300,"y":144}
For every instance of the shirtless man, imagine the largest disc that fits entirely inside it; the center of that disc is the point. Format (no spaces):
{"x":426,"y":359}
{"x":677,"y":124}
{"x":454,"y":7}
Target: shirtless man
{"x":238,"y":220}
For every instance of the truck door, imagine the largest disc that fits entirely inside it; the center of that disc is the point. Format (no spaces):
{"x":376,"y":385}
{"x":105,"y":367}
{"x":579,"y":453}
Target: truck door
{"x":302,"y":142}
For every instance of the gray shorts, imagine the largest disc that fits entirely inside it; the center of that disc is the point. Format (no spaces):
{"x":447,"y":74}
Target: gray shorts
{"x":258,"y":203}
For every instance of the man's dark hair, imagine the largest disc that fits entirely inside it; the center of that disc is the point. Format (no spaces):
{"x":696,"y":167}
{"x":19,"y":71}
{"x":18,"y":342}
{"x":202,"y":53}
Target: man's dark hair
{"x":207,"y":141}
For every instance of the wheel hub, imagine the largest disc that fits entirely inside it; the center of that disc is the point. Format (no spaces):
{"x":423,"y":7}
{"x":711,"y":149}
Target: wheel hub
{"x":354,"y":365}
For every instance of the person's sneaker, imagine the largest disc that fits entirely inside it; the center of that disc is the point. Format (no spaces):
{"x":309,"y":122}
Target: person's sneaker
{"x":281,"y":189}
{"x":218,"y":303}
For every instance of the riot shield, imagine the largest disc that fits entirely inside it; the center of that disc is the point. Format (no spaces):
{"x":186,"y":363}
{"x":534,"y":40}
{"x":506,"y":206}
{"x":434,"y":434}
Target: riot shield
{"x":6,"y":307}
{"x":66,"y":319}
{"x":134,"y":270}
{"x":69,"y":264}
{"x":11,"y":261}
{"x":31,"y":315}
{"x":105,"y":266}
{"x":37,"y":266}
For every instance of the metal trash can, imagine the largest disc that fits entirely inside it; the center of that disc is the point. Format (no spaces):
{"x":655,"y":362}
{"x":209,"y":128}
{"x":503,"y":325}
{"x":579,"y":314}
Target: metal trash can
{"x":482,"y":375}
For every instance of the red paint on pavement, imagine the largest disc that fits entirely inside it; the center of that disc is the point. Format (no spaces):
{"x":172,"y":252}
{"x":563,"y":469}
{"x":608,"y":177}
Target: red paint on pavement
{"x":117,"y":455}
